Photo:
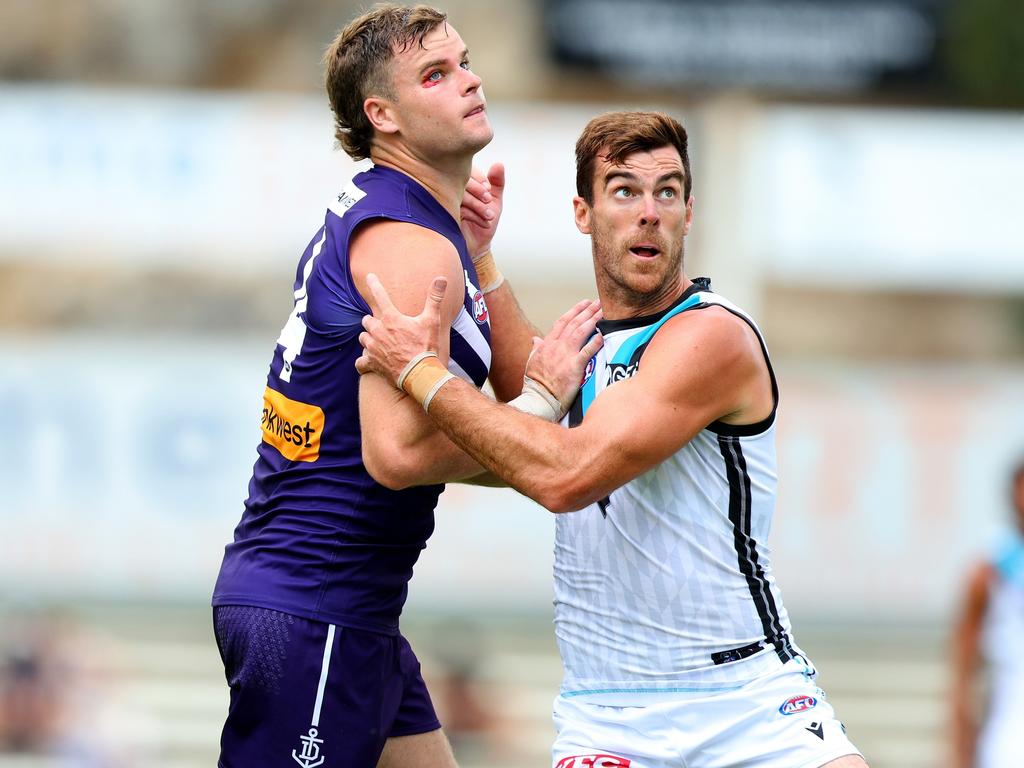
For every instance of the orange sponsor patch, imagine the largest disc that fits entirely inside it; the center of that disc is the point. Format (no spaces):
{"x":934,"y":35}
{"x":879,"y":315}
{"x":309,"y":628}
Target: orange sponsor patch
{"x":292,"y":427}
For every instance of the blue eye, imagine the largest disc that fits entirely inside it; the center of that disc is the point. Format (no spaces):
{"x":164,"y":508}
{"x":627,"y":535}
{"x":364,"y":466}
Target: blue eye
{"x":623,"y":192}
{"x":465,"y":64}
{"x":668,"y":193}
{"x":431,"y":77}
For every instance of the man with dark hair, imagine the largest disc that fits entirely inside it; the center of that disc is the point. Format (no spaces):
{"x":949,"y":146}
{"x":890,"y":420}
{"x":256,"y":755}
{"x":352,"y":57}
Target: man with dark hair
{"x":991,"y":631}
{"x":307,"y":603}
{"x":676,"y":646}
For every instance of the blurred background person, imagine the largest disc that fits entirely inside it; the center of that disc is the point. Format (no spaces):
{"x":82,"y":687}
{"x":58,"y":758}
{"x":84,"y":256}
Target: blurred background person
{"x":988,"y":691}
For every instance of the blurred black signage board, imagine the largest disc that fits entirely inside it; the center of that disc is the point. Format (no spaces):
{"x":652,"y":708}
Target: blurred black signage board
{"x":821,"y":46}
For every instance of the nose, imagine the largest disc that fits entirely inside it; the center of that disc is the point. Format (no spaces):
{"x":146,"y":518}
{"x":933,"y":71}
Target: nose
{"x":649,"y":213}
{"x":471,"y":82}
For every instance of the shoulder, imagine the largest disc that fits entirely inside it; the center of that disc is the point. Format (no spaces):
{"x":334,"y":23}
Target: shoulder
{"x":711,"y":337}
{"x":980,"y":579}
{"x":411,"y":240}
{"x":406,"y":257}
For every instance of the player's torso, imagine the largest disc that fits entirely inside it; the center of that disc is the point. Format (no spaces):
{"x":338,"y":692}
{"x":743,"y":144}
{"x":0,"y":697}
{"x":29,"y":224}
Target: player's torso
{"x":319,"y":537}
{"x":1002,"y":641}
{"x":670,"y":573}
{"x":1003,"y":632}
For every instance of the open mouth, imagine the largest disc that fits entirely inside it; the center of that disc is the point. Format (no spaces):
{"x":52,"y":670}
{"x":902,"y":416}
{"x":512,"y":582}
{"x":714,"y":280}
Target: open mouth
{"x":645,"y":251}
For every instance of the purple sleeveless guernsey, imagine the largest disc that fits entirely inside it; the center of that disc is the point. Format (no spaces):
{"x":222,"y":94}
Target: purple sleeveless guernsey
{"x":319,"y":538}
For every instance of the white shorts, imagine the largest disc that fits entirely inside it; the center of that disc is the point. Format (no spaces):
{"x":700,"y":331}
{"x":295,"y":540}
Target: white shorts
{"x":780,"y":720}
{"x":999,"y":744}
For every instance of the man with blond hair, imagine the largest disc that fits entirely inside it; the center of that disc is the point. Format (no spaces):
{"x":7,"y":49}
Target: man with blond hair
{"x":307,"y":603}
{"x":676,"y":647}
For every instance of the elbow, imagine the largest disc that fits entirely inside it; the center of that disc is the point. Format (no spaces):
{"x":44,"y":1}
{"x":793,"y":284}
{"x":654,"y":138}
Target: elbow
{"x":562,"y":495}
{"x":387,"y":467}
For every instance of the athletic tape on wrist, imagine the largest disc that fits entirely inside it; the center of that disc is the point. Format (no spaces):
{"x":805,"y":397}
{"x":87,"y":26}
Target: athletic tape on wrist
{"x":433,"y":390}
{"x":412,"y":364}
{"x":487,"y":273}
{"x":536,"y":400}
{"x":424,"y":377}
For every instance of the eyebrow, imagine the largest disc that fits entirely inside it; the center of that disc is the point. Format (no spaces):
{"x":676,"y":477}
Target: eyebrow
{"x":676,"y":175}
{"x":439,"y":62}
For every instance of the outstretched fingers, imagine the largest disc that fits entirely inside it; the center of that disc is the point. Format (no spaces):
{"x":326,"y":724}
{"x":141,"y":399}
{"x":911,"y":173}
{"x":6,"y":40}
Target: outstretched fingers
{"x":379,"y":294}
{"x":558,"y":329}
{"x":496,"y":179}
{"x":585,"y":324}
{"x":591,"y":347}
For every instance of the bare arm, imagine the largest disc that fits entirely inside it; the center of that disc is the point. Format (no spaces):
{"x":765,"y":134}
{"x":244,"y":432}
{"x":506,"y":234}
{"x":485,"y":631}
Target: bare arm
{"x":401,"y":447}
{"x":511,"y":332}
{"x":630,"y":428}
{"x":966,"y":660}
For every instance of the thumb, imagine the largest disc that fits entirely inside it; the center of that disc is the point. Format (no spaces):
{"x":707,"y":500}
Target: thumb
{"x":537,"y":341}
{"x":496,"y":176}
{"x":436,"y":295}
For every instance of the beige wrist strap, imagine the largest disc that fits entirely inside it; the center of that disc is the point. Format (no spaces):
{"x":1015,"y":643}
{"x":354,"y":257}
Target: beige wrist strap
{"x":423,"y":377}
{"x":536,"y":400}
{"x":487,"y":273}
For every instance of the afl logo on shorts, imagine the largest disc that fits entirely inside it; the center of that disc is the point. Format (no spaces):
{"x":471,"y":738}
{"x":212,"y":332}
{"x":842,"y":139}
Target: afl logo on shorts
{"x":479,"y":308}
{"x":796,"y":704}
{"x":594,"y":761}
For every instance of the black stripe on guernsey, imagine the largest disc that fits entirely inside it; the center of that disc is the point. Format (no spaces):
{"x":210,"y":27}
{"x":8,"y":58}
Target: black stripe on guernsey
{"x":628,"y":323}
{"x":720,"y":427}
{"x":746,"y":548}
{"x":576,"y":411}
{"x":463,"y":353}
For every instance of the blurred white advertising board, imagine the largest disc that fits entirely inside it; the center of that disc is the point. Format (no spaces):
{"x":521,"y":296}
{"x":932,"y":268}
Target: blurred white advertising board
{"x":907,"y":198}
{"x":126,"y":461}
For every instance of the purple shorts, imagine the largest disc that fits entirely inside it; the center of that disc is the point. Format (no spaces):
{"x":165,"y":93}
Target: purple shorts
{"x":312,"y":694}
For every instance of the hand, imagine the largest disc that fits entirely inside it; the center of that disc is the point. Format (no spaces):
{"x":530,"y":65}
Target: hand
{"x":391,"y":338}
{"x":481,"y":208}
{"x":558,"y":361}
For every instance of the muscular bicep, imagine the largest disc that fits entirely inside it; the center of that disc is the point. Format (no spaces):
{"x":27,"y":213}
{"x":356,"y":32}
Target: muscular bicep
{"x":406,"y":258}
{"x":400,"y":445}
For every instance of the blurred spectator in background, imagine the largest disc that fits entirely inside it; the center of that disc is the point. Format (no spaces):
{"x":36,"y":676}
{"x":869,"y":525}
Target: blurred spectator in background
{"x":30,"y":704}
{"x":987,"y":729}
{"x":56,"y":697}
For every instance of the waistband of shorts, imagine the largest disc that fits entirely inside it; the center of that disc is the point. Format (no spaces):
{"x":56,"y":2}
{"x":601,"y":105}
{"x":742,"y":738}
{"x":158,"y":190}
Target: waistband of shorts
{"x":639,"y":693}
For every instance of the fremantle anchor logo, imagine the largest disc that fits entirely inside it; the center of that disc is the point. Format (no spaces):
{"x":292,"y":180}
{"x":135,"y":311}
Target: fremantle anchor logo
{"x":310,"y":756}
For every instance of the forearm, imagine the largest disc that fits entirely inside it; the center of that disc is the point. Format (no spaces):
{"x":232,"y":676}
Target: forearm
{"x":533,"y":456}
{"x":511,"y":341}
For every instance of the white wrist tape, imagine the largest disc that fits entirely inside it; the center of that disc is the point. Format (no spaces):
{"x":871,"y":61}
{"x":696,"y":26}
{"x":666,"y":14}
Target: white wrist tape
{"x":536,"y":400}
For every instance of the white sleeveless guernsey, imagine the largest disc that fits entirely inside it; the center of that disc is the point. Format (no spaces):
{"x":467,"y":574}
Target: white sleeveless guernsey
{"x":1003,"y":648}
{"x":665,"y":587}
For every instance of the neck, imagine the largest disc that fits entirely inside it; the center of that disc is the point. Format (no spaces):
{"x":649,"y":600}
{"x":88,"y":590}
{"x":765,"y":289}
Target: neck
{"x":619,"y":303}
{"x":444,"y":179}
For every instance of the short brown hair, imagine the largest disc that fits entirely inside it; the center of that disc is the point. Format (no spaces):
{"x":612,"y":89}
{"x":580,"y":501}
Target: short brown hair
{"x":357,"y":63}
{"x":618,"y":134}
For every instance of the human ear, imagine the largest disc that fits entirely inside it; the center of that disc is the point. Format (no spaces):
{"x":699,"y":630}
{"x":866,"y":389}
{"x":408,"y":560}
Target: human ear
{"x":380,"y":114}
{"x":581,"y":212}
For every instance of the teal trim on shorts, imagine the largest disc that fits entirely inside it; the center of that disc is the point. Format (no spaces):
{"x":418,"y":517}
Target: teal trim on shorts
{"x":599,"y":691}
